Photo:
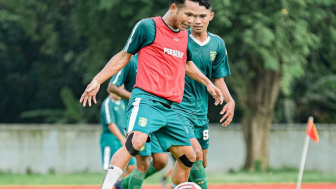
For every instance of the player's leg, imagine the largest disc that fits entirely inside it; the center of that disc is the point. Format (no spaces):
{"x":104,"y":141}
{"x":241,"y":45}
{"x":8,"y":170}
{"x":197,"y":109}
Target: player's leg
{"x":205,"y":159}
{"x":174,"y":137}
{"x":145,"y":167}
{"x":142,"y":116}
{"x":159,"y":162}
{"x":160,"y":158}
{"x":185,"y":157}
{"x":167,"y":174}
{"x":106,"y":156}
{"x":135,"y":180}
{"x":120,"y":159}
{"x":197,"y":172}
{"x":138,"y":174}
{"x":129,"y":169}
{"x":201,"y":142}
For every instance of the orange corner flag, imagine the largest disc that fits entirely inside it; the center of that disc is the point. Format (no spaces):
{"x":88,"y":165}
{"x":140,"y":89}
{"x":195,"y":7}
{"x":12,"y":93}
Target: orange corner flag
{"x":311,"y":130}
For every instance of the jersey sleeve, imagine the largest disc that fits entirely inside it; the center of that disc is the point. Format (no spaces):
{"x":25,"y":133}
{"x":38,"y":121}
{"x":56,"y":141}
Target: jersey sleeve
{"x":121,"y":77}
{"x":108,"y":111}
{"x":221,"y":66}
{"x":143,"y":34}
{"x":189,"y":54}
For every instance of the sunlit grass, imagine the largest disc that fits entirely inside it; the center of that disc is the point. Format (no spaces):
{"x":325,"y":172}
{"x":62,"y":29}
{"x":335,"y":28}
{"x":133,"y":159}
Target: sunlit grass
{"x":271,"y":176}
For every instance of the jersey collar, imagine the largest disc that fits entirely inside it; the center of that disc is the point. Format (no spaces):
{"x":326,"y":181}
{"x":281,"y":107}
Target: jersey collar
{"x":198,"y":42}
{"x":172,"y":29}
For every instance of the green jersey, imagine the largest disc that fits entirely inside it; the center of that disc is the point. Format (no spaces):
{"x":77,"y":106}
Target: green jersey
{"x":112,"y":112}
{"x":211,"y":59}
{"x":143,"y":34}
{"x":127,"y":76}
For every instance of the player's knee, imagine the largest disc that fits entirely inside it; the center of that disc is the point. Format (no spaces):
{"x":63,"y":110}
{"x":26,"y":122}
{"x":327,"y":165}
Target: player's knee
{"x":160,"y":162}
{"x":130,"y":168}
{"x":133,"y":144}
{"x":188,"y":159}
{"x":199,"y":154}
{"x":143,"y":163}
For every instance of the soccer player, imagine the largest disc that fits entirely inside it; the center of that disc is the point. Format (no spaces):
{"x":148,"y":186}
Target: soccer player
{"x":212,"y":60}
{"x":164,"y":59}
{"x":112,"y":113}
{"x":145,"y":168}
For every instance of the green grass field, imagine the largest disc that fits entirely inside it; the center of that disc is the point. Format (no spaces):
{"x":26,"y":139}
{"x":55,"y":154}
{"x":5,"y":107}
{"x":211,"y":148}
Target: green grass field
{"x":275,"y":176}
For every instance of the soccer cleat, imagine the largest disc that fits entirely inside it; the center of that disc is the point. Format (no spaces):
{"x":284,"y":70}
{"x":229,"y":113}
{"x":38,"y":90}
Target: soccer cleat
{"x":117,"y":185}
{"x":163,"y":182}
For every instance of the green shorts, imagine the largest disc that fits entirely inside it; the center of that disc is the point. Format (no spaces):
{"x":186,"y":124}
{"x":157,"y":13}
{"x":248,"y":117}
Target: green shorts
{"x":151,"y":114}
{"x":197,"y":128}
{"x":151,"y":147}
{"x":109,"y":146}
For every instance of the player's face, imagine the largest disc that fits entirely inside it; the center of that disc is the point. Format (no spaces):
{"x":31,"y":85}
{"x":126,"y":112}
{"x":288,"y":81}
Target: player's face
{"x":203,"y":17}
{"x":185,"y":15}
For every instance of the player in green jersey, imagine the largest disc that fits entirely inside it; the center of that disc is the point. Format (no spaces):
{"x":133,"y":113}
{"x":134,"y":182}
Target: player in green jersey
{"x":113,"y":136}
{"x":212,"y":61}
{"x":145,"y":168}
{"x":149,"y":112}
{"x":125,"y":77}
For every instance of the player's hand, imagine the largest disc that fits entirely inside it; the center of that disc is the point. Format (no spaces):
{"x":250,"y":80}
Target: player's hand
{"x":228,"y":111}
{"x":216,"y":94}
{"x":90,"y":93}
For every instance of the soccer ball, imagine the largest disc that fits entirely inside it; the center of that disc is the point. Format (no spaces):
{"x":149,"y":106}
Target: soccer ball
{"x":188,"y":185}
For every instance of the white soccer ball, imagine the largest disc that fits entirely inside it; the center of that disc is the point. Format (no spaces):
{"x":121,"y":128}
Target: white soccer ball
{"x":188,"y":185}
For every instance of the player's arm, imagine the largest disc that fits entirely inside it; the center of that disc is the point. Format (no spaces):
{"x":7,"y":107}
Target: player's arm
{"x":142,"y":35}
{"x":228,"y":109}
{"x":193,"y":72}
{"x":116,"y":63}
{"x":116,"y":132}
{"x":120,"y":91}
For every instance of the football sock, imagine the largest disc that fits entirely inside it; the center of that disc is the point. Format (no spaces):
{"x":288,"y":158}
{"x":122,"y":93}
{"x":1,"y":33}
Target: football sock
{"x":136,"y":179}
{"x":151,"y":171}
{"x":112,"y":175}
{"x":124,"y":182}
{"x":198,"y":174}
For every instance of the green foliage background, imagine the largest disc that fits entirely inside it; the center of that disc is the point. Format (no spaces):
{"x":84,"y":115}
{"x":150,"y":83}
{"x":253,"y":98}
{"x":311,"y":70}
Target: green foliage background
{"x":50,"y":50}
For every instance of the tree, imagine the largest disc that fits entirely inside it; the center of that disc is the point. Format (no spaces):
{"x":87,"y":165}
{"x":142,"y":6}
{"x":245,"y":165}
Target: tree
{"x":268,"y":43}
{"x":38,"y":49}
{"x":315,"y":93}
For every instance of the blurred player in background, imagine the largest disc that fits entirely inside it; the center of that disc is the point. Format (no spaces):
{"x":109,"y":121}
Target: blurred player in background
{"x":210,"y":56}
{"x":167,"y":175}
{"x":145,"y":168}
{"x":164,"y":59}
{"x":112,"y":113}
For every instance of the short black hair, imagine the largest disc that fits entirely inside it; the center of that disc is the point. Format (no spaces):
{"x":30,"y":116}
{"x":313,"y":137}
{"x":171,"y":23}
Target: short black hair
{"x":180,"y":2}
{"x":206,"y":3}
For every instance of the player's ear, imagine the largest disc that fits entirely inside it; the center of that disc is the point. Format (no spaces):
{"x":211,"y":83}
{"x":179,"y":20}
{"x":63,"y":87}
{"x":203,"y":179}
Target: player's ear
{"x":212,"y":14}
{"x":173,"y":8}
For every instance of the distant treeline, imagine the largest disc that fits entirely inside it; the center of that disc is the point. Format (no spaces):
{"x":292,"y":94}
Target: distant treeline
{"x":282,"y":56}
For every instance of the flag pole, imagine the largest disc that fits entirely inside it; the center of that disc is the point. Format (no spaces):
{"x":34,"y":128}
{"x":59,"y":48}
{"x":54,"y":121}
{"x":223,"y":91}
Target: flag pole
{"x":303,"y":159}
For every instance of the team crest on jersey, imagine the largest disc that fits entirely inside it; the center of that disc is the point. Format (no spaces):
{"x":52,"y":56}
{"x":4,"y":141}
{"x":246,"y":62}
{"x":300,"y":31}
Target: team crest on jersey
{"x":213,"y":55}
{"x":142,"y":122}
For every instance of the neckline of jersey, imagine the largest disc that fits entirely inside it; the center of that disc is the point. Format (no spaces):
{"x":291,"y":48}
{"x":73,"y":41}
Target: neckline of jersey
{"x":198,"y":42}
{"x":172,"y":29}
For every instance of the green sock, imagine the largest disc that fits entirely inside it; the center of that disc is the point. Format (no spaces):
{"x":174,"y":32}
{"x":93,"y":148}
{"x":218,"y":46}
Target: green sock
{"x":125,"y":181}
{"x":151,"y":171}
{"x":136,"y":179}
{"x":198,"y":174}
